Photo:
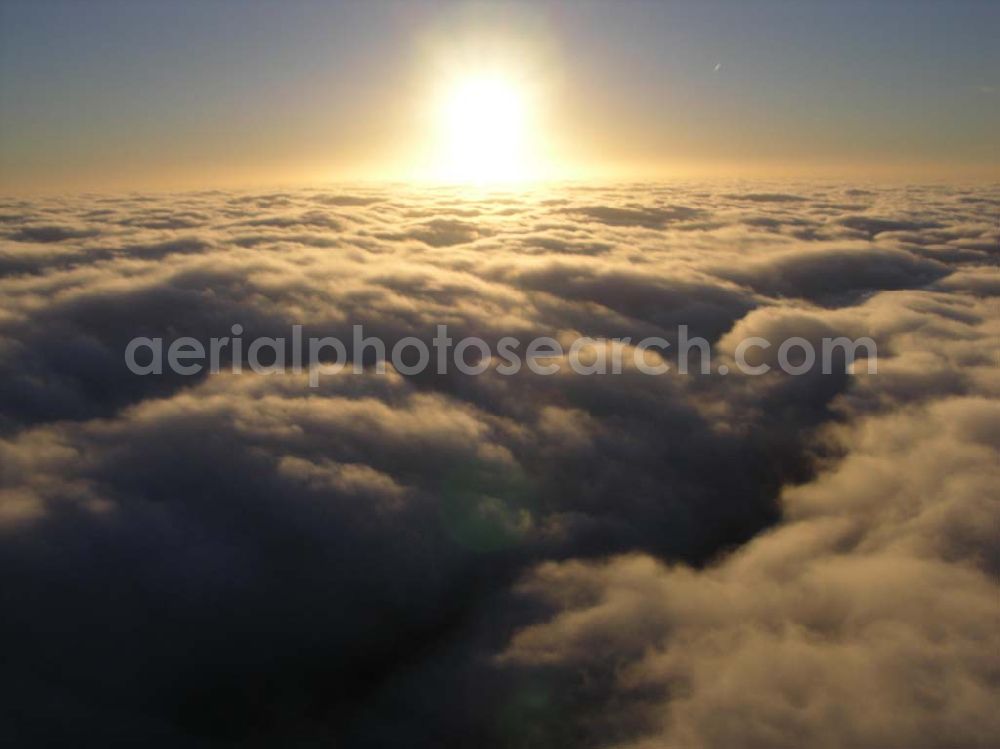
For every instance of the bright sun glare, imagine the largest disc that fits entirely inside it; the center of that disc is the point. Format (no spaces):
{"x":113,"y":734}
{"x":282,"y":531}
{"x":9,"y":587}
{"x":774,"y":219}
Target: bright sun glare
{"x":484,"y":131}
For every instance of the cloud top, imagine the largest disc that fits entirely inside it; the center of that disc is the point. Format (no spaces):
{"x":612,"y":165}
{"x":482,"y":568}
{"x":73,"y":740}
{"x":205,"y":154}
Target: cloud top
{"x":614,"y":561}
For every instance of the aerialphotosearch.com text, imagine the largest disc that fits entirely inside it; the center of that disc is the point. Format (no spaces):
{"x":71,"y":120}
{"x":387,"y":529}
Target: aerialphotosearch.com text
{"x":472,"y":355}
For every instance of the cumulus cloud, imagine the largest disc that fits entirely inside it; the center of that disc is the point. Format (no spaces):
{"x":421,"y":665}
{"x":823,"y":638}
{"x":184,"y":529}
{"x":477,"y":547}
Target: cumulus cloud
{"x":866,"y":618}
{"x":826,"y":275}
{"x":620,"y":560}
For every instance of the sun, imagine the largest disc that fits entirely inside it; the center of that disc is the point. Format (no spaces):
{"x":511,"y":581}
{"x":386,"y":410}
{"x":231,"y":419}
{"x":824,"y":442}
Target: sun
{"x":484,"y":129}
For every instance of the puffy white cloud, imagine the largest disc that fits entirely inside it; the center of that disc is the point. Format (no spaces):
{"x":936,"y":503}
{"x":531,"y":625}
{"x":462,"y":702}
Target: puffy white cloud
{"x":708,"y":560}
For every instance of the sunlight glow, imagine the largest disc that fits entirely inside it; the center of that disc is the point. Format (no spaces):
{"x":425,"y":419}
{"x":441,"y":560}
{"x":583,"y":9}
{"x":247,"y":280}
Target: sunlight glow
{"x":484,"y":131}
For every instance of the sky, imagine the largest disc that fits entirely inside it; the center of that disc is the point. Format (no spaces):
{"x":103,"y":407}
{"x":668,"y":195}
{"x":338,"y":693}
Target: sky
{"x":101,"y":95}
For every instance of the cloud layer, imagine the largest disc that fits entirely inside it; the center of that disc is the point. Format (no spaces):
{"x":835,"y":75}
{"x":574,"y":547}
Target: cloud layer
{"x":619,"y":561}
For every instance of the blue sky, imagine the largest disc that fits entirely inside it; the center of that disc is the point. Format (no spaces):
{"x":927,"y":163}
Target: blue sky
{"x":147,"y":93}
